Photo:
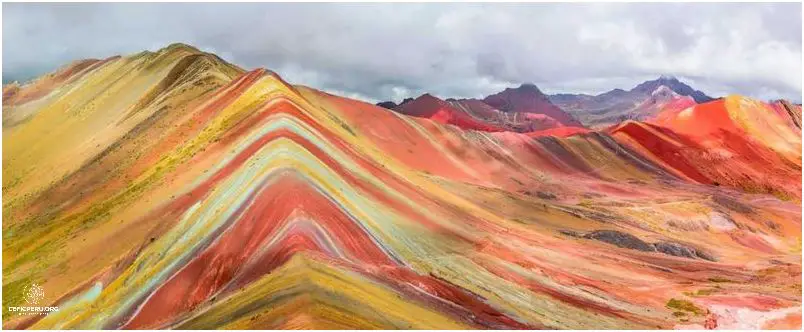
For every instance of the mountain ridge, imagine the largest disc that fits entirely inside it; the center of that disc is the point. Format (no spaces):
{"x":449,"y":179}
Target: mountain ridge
{"x":594,"y":110}
{"x":521,"y":109}
{"x":616,"y":105}
{"x":253,"y":203}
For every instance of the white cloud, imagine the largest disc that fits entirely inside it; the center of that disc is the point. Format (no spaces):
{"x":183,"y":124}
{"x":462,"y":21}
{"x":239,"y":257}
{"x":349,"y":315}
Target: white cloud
{"x":389,"y":51}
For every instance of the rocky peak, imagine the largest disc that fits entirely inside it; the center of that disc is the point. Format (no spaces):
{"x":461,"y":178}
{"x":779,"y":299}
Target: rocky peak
{"x":529,"y":87}
{"x":387,"y":104}
{"x":671,"y":82}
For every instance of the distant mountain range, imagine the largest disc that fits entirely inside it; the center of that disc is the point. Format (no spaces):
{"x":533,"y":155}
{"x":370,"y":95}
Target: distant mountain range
{"x":617,"y":105}
{"x":521,"y":109}
{"x":563,"y":110}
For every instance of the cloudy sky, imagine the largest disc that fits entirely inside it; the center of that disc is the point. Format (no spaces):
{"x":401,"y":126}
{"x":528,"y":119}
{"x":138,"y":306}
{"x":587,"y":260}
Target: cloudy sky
{"x":391,"y":51}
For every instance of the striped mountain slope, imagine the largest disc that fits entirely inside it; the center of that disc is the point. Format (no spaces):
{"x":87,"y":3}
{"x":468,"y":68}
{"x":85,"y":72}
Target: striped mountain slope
{"x":175,"y":190}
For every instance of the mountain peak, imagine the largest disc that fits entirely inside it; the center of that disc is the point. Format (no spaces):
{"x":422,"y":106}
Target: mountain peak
{"x":427,"y":97}
{"x":527,"y":98}
{"x":529,"y":87}
{"x":671,"y":82}
{"x":389,"y":104}
{"x":667,"y":78}
{"x":180,"y":46}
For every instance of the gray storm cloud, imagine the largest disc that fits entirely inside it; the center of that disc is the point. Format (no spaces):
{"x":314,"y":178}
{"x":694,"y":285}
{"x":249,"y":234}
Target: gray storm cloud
{"x":391,"y":51}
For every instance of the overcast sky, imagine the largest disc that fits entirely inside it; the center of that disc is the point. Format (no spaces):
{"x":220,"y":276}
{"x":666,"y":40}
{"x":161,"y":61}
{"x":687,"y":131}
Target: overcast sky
{"x":391,"y":51}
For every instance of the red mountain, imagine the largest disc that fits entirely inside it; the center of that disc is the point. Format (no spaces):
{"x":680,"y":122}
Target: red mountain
{"x":511,"y":121}
{"x":524,"y":109}
{"x":430,"y":107}
{"x":527,"y":98}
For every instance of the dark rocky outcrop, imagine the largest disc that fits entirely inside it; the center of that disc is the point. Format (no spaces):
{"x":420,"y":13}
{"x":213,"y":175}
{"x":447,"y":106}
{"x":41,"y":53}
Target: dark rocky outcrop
{"x":544,"y":195}
{"x":732,"y":204}
{"x":405,"y":101}
{"x":620,"y":239}
{"x":392,"y":105}
{"x":628,"y":241}
{"x":680,"y":250}
{"x":571,"y":233}
{"x":387,"y":104}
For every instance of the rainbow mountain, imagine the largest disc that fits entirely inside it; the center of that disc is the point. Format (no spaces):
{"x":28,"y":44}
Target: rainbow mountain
{"x":172,"y":189}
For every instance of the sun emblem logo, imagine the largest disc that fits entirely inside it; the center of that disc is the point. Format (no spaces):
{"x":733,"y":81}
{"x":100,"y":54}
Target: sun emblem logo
{"x":34,"y":293}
